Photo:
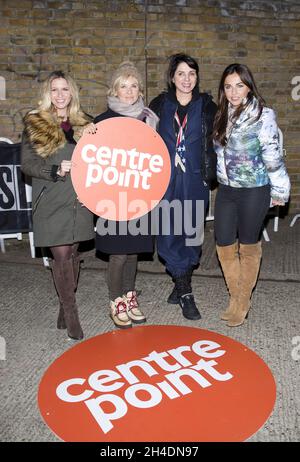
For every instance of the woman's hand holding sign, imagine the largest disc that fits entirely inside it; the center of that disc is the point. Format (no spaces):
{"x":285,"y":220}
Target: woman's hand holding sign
{"x":90,"y":129}
{"x":65,"y":167}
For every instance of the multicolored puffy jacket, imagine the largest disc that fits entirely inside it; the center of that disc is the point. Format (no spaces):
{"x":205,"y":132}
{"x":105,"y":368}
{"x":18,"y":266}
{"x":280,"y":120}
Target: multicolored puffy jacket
{"x":252,"y":156}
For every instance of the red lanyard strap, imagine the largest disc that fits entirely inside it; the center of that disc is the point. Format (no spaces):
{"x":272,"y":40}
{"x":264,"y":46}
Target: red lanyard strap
{"x":181,"y":128}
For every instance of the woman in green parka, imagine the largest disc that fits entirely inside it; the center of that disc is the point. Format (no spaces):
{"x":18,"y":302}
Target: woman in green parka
{"x":60,"y":221}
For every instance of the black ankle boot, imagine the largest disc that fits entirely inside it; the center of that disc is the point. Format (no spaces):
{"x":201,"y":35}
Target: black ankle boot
{"x":173,"y":297}
{"x":189,"y":308}
{"x":183,"y":285}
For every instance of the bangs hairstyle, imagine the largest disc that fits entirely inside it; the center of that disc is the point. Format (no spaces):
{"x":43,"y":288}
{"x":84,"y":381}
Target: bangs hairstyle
{"x":221,"y":119}
{"x":45,"y":103}
{"x":174,"y":61}
{"x":122,"y":73}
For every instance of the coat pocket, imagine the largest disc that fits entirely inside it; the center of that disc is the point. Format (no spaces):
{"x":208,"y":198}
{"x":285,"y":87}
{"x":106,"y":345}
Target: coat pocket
{"x":37,"y":201}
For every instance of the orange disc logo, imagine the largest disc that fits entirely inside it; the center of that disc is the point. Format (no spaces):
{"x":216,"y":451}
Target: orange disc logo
{"x":122,"y":171}
{"x":157,"y":383}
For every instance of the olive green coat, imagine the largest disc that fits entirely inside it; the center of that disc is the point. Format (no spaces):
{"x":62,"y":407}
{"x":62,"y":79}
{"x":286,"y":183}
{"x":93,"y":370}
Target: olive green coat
{"x":58,"y":217}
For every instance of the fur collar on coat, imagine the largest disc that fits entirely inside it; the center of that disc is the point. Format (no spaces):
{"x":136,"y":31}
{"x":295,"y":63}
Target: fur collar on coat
{"x":45,"y":134}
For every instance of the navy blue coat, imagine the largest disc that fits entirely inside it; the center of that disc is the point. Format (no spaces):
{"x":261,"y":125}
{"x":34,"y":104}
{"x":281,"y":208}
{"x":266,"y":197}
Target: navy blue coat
{"x":179,"y":256}
{"x":200,"y":154}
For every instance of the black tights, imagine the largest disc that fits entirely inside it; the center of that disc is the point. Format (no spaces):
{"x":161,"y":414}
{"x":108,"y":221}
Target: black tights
{"x":64,"y":252}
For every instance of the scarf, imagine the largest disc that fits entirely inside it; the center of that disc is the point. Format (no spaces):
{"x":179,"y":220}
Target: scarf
{"x":132,"y":110}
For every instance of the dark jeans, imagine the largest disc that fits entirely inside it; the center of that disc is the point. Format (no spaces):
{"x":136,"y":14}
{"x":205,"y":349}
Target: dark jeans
{"x":240,"y":213}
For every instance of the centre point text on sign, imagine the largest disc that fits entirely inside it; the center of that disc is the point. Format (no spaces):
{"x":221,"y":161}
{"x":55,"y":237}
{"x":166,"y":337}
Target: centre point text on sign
{"x":128,"y":168}
{"x":170,"y":366}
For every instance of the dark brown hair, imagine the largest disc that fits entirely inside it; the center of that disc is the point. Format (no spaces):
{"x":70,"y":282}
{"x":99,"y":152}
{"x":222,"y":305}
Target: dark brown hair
{"x":221,"y":119}
{"x":174,"y":61}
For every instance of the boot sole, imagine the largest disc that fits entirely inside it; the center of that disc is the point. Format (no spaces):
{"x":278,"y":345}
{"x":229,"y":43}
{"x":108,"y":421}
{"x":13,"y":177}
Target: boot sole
{"x":235,"y":325}
{"x":223,"y":318}
{"x":138,"y":321}
{"x":124,"y":326}
{"x":173,"y":302}
{"x":75,"y":338}
{"x":239,"y":324}
{"x":192,"y":319}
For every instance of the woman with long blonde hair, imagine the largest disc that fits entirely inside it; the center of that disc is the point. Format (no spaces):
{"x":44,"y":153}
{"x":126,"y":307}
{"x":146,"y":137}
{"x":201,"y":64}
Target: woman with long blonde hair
{"x":60,"y":221}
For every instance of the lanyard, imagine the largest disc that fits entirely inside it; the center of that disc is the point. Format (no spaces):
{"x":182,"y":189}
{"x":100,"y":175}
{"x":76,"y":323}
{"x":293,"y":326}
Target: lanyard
{"x":180,"y":143}
{"x":180,"y":135}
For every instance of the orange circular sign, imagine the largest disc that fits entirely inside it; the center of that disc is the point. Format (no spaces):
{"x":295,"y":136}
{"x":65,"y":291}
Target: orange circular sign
{"x":122,"y":171}
{"x":157,"y":383}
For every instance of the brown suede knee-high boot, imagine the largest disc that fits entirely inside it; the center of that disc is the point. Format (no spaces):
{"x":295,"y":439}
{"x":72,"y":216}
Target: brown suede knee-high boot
{"x":61,"y":323}
{"x":230,"y":263}
{"x":76,"y":269}
{"x":250,"y":257}
{"x":64,"y":278}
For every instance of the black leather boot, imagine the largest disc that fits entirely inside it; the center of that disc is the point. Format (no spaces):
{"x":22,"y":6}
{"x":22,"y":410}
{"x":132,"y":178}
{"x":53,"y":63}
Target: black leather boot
{"x":189,"y":308}
{"x":186,"y":298}
{"x":173,"y":297}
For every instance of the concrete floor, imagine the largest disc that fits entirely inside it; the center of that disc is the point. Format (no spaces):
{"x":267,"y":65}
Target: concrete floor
{"x":28,"y":311}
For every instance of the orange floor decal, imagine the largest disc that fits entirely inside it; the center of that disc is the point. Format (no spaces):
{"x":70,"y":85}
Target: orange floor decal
{"x":157,"y":383}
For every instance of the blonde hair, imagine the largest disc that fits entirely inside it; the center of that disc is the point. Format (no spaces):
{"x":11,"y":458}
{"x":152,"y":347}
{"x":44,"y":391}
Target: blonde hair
{"x":123,"y":72}
{"x":45,"y":103}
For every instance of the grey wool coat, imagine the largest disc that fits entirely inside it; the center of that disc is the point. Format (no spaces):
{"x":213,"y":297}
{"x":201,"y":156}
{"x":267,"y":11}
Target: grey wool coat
{"x":58,"y":217}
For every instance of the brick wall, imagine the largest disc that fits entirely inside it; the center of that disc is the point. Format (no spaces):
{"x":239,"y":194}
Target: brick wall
{"x":90,"y":38}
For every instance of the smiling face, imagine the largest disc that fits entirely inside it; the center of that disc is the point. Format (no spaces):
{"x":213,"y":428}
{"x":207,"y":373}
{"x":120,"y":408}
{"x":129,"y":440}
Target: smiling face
{"x":128,"y":90}
{"x":185,"y":79}
{"x":60,"y":94}
{"x":235,"y":90}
